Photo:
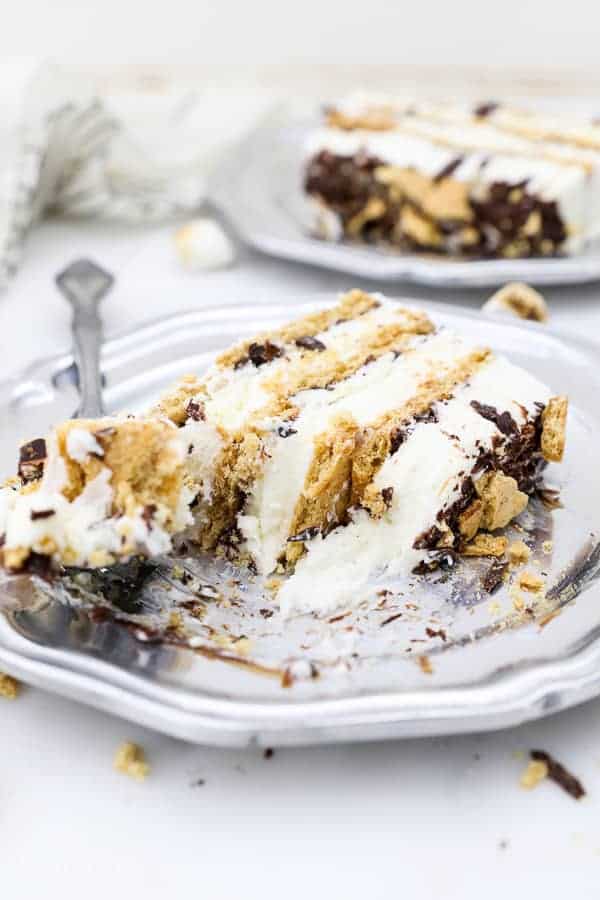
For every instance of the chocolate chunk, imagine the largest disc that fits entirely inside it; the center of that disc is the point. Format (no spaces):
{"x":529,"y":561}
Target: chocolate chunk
{"x":38,"y":564}
{"x":437,"y":559}
{"x":429,"y":416}
{"x":259,"y":354}
{"x":195,"y":411}
{"x":36,"y":514}
{"x":268,"y":753}
{"x":387,"y":496}
{"x":485,"y":109}
{"x":310,"y":343}
{"x":285,"y":431}
{"x":504,"y":422}
{"x":439,"y":632}
{"x":449,"y":169}
{"x":31,"y":460}
{"x":148,"y":514}
{"x":266,"y":613}
{"x":559,"y":774}
{"x":494,"y":576}
{"x":305,"y":535}
{"x":428,"y":539}
{"x":397,"y":438}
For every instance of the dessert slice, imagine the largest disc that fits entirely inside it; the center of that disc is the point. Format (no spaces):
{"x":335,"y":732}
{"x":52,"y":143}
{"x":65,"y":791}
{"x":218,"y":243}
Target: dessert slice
{"x":451,"y":180}
{"x":357,"y":441}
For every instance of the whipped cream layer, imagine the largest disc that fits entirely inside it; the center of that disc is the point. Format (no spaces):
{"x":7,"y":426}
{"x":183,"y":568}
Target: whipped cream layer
{"x":425,"y":476}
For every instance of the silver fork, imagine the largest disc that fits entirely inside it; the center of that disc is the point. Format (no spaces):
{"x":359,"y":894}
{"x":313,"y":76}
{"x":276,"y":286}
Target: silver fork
{"x":84,"y":284}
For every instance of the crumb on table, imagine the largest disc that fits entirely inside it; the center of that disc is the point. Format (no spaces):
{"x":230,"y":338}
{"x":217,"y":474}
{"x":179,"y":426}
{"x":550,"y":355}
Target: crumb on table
{"x":528,"y":581}
{"x":535,"y":772}
{"x":9,"y":687}
{"x":131,"y":760}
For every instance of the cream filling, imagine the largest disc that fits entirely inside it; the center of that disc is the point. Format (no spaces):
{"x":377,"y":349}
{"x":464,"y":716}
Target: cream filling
{"x":426,"y":474}
{"x":376,"y":388}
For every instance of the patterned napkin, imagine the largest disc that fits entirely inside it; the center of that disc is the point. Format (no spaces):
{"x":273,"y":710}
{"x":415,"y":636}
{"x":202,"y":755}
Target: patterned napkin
{"x":71,"y":149}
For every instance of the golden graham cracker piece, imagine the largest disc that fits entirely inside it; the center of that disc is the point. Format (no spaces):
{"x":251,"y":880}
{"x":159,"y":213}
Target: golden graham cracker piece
{"x":469,"y":521}
{"x":535,"y":772}
{"x":554,"y":423}
{"x":502,"y":500}
{"x":9,"y":687}
{"x":529,"y":581}
{"x":486,"y":545}
{"x":518,"y":553}
{"x":130,"y":760}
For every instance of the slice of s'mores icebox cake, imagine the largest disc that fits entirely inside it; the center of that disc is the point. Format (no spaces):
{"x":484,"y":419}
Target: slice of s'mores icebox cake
{"x":358,"y":440}
{"x":486,"y":181}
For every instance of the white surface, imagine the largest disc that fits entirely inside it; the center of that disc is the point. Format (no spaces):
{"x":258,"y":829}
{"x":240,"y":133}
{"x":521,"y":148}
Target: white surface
{"x":420,"y":818}
{"x":514,"y":32}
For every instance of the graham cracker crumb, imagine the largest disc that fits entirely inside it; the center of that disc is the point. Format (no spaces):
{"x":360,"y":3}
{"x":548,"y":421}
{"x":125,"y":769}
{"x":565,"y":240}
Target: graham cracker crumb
{"x":548,"y":546}
{"x":520,"y":300}
{"x":554,"y":422}
{"x":130,"y":760}
{"x":486,"y":545}
{"x":425,"y":665}
{"x":518,"y":553}
{"x":9,"y":687}
{"x":535,"y":772}
{"x":528,"y":581}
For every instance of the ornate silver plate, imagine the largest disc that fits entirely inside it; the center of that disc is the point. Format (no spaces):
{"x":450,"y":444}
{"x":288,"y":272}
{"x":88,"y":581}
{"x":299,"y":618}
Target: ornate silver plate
{"x":258,"y":187}
{"x":197,"y":651}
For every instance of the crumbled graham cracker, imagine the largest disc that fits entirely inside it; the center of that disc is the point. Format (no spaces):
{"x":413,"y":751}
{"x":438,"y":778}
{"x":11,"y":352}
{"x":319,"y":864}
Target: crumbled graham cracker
{"x":520,"y":300}
{"x":486,"y":545}
{"x":528,"y":581}
{"x":9,"y":687}
{"x":130,"y":760}
{"x":535,"y":772}
{"x":548,"y":546}
{"x":502,"y":500}
{"x":554,"y":422}
{"x":425,"y":665}
{"x":518,"y":553}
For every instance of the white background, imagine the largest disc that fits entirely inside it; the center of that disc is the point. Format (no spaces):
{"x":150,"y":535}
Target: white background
{"x":530,"y":33}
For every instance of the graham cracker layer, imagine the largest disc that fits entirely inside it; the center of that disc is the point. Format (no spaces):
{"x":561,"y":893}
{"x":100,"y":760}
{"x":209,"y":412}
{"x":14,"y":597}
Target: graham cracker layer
{"x":376,"y":441}
{"x":352,"y":305}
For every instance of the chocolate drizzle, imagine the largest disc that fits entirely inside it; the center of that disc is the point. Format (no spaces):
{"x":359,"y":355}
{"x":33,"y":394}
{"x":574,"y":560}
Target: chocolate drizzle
{"x":32,"y":457}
